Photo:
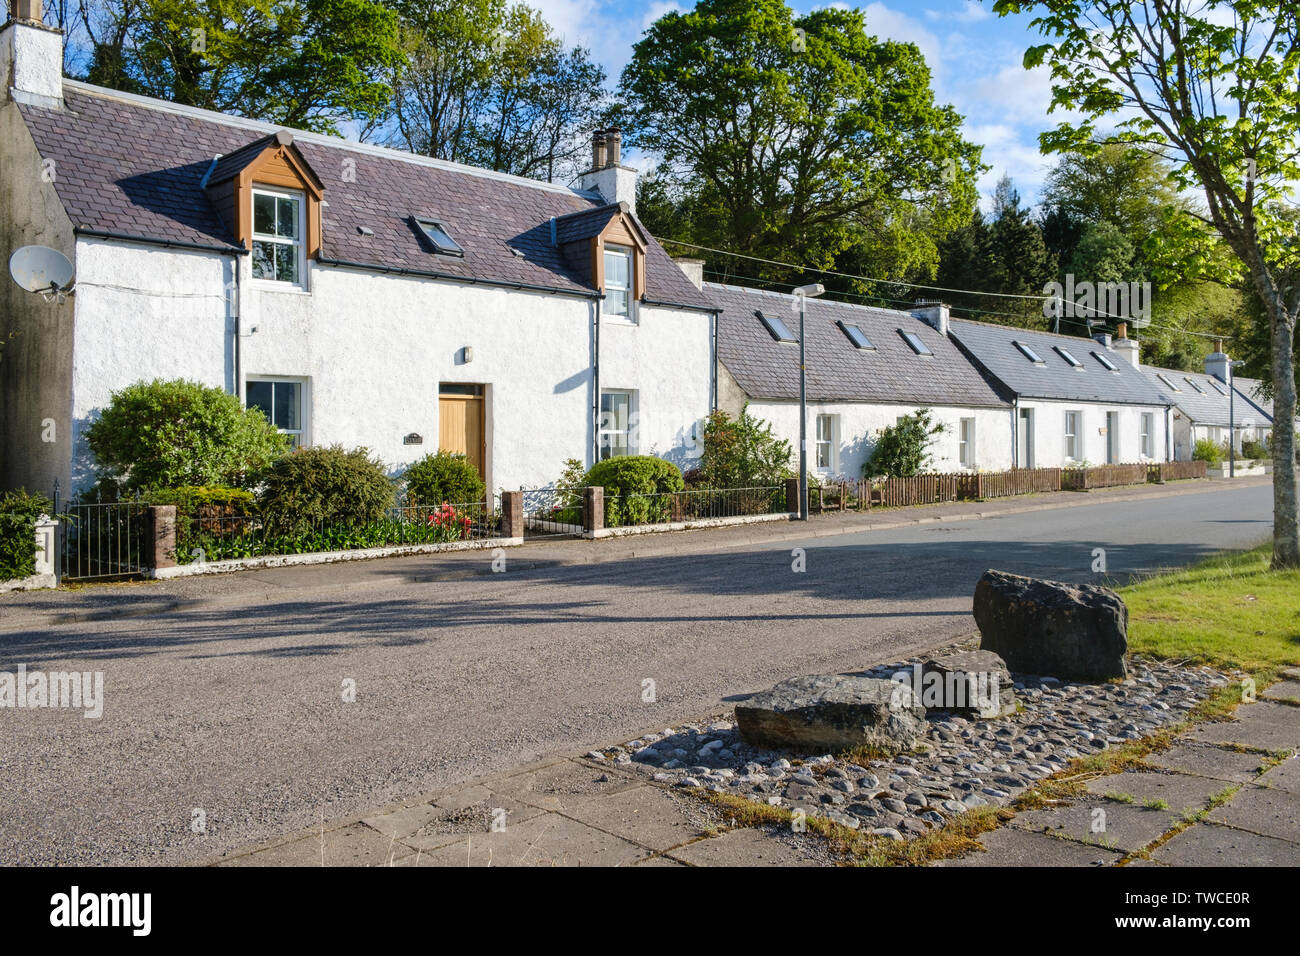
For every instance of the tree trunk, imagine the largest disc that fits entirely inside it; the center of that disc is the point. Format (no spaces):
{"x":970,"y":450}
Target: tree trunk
{"x":1286,"y":515}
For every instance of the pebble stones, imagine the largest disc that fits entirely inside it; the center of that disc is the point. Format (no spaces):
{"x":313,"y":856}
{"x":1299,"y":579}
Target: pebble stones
{"x":958,"y":764}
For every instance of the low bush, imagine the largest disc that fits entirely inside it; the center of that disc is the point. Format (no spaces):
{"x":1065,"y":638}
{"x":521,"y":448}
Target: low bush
{"x":740,"y":453}
{"x":902,"y":449}
{"x":443,"y":476}
{"x":627,"y":479}
{"x":1208,"y":451}
{"x":18,"y":513}
{"x":1255,"y":450}
{"x":315,"y":488}
{"x":173,"y":433}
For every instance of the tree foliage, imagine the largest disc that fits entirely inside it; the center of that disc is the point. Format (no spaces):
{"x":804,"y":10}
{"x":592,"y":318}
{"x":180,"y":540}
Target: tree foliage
{"x":491,"y":84}
{"x":301,"y":63}
{"x":1212,"y":87}
{"x":795,"y":137}
{"x":164,"y":434}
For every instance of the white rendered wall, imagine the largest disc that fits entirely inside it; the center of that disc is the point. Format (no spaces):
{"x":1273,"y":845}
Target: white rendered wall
{"x":859,"y":422}
{"x":373,"y":349}
{"x":1049,"y":433}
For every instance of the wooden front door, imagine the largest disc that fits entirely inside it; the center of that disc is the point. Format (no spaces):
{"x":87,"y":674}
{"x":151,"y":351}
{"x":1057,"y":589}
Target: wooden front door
{"x":460,"y":428}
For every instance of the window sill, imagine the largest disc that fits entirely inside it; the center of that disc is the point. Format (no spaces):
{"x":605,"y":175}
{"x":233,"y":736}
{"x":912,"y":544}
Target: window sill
{"x":284,"y":288}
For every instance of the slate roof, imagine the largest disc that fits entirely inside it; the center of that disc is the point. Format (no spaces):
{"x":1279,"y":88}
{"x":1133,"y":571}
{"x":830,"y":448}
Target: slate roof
{"x":132,"y":166}
{"x":837,"y":371}
{"x":587,"y":224}
{"x":993,"y":347}
{"x":1209,"y":406}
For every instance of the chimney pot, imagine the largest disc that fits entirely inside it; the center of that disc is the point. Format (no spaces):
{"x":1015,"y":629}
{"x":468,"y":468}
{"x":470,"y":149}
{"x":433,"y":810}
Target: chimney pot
{"x":613,"y":147}
{"x":598,"y":150}
{"x":26,"y":10}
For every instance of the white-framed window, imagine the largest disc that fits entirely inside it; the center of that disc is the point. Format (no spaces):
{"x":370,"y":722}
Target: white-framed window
{"x":284,"y":403}
{"x":1148,"y":426}
{"x":279,"y":252}
{"x":618,"y":282}
{"x":966,"y":443}
{"x":1073,"y":426}
{"x":825,"y":448}
{"x":617,"y":421}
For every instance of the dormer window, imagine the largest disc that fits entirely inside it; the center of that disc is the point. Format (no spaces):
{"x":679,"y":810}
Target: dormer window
{"x":278,"y":227}
{"x":439,"y":237}
{"x":618,"y":281}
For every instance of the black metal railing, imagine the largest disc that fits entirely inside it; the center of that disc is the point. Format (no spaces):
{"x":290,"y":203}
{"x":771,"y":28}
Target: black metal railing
{"x":693,"y":504}
{"x":552,"y":511}
{"x":103,"y":540}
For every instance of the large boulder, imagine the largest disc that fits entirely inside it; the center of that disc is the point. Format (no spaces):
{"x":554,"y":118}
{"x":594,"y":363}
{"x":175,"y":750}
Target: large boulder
{"x":1075,"y":632}
{"x":971,"y":684}
{"x":833,"y":713}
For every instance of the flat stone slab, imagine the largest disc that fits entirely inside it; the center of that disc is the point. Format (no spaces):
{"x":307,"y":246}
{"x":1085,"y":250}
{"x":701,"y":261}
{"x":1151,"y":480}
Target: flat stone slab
{"x":755,"y":847}
{"x":1263,"y":724}
{"x":647,"y":815}
{"x":1179,"y":792}
{"x":561,"y":785}
{"x":548,"y":839}
{"x":1207,"y":760}
{"x":1283,"y":690}
{"x":1126,"y":828}
{"x":1285,"y":776}
{"x":1210,"y":845}
{"x":833,"y":712}
{"x":1008,"y":846}
{"x":355,"y":845}
{"x":1274,"y":813}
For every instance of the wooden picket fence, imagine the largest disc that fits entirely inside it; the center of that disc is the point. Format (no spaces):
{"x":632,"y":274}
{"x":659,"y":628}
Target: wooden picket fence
{"x":865,"y":494}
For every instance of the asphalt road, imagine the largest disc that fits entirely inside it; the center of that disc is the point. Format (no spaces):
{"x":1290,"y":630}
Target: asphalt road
{"x":233,"y":704}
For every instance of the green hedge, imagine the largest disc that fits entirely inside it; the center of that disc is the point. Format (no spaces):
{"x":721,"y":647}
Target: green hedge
{"x":443,"y":476}
{"x":624,"y":477}
{"x":18,"y":513}
{"x":314,"y":488}
{"x":204,"y":516}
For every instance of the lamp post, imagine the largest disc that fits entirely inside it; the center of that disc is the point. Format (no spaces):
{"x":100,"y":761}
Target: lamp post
{"x":1232,"y":419}
{"x":801,"y":294}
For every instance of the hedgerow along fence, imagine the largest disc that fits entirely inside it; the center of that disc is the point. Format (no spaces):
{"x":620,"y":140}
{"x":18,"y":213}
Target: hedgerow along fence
{"x":101,"y":540}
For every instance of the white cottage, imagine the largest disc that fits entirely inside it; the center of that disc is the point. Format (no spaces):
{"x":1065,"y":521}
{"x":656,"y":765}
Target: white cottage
{"x":1076,"y":400}
{"x":1205,"y":406}
{"x":866,"y":368}
{"x":359,"y":295}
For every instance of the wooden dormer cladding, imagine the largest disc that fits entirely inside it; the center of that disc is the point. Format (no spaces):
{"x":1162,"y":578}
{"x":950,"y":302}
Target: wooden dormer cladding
{"x":272,"y":161}
{"x":620,"y":231}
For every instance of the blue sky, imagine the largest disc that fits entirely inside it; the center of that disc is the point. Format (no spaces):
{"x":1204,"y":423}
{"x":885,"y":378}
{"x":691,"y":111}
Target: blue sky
{"x":974,"y":56}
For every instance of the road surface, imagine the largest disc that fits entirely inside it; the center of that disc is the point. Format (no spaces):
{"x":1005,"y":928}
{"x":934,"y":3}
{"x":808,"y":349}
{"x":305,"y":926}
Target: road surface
{"x":225,"y":700}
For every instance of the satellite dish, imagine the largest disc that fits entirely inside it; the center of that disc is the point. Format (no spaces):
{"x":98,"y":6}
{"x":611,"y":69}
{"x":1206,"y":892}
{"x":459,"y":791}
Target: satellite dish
{"x":44,"y":270}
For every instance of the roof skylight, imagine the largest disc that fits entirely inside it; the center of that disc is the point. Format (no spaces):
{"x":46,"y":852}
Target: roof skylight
{"x":1165,"y":378}
{"x":1070,"y":359}
{"x":1029,"y":353}
{"x":919,"y":347}
{"x":437,"y":234}
{"x":856,"y":336}
{"x":777,"y":328}
{"x":1107,"y":363}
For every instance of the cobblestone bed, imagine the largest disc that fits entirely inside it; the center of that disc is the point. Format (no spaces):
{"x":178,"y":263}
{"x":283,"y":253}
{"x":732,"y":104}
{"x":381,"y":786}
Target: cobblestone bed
{"x":961,"y":763}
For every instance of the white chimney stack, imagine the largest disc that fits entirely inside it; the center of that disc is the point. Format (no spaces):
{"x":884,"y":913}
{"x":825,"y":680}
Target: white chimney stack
{"x":1125,"y":346}
{"x":694,"y":269}
{"x":31,"y":56}
{"x":933,"y":313}
{"x":1218,"y":364}
{"x":608,"y":176}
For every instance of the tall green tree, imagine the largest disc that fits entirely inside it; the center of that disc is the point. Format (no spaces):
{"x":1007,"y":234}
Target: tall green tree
{"x":1213,"y":86}
{"x":490,"y":84}
{"x":303,"y":63}
{"x":797,"y":137}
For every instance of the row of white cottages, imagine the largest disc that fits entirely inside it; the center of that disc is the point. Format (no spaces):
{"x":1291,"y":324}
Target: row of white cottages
{"x":366,"y":296}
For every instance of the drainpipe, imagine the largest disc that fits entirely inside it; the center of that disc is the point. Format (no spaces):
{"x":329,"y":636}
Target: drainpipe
{"x":595,"y":384}
{"x":713,"y":368}
{"x":239,"y":330}
{"x":1015,"y":432}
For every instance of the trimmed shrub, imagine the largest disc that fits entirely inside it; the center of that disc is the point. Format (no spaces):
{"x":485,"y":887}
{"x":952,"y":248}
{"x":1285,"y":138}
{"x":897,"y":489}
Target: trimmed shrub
{"x":204,"y":516}
{"x":313,"y":488}
{"x":626,"y":476}
{"x":443,"y":476}
{"x":1208,"y":451}
{"x":1255,"y":450}
{"x":18,"y":513}
{"x":165,"y":434}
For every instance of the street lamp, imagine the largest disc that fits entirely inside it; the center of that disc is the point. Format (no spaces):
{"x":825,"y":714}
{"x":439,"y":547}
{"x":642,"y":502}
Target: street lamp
{"x":801,"y":294}
{"x":1232,"y":419}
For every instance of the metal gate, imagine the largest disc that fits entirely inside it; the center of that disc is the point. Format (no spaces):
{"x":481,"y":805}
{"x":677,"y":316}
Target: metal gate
{"x":552,"y":512}
{"x":102,"y":540}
